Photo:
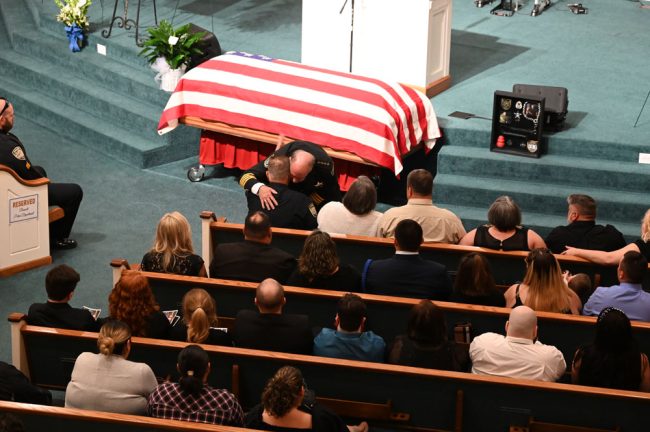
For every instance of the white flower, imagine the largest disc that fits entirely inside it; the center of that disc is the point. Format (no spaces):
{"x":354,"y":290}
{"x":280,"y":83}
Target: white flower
{"x":172,"y":40}
{"x":81,"y":3}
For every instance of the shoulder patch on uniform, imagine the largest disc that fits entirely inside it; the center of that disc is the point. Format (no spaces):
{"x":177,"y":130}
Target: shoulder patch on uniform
{"x":18,"y":153}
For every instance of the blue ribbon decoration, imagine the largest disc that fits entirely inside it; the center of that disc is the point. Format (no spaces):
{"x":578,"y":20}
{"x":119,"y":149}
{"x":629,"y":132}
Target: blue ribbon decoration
{"x":75,"y":35}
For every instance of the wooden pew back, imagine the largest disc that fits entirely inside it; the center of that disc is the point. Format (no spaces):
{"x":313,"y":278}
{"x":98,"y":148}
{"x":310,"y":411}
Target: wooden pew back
{"x":42,"y":418}
{"x":428,"y":396}
{"x":387,"y":316}
{"x":507,"y":267}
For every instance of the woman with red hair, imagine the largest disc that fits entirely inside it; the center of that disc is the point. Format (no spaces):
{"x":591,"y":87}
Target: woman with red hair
{"x":132,"y":302}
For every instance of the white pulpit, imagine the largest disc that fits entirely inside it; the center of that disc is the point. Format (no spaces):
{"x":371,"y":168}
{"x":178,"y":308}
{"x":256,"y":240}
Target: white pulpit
{"x":407,"y":41}
{"x":24,"y":223}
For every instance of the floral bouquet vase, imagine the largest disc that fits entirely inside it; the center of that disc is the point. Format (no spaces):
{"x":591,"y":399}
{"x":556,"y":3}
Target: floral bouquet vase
{"x":76,"y":37}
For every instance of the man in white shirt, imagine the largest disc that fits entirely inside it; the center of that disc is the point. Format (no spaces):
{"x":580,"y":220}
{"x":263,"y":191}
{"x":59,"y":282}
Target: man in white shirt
{"x":518,"y":354}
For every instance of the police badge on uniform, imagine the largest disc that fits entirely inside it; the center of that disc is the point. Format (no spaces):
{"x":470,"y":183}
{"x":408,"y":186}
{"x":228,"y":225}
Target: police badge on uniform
{"x":18,"y":153}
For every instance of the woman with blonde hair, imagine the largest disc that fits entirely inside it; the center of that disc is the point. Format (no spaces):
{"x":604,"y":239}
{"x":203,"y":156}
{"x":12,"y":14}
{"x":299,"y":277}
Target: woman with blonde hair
{"x":200,"y":321}
{"x":543,"y":288}
{"x":172,"y":250}
{"x":503,"y":230}
{"x":133,"y":302}
{"x":108,"y":381}
{"x":641,"y":245}
{"x":285,"y":408}
{"x":319,"y":266}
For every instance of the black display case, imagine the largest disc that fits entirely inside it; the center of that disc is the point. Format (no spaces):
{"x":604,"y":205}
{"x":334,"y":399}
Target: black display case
{"x":517,"y":124}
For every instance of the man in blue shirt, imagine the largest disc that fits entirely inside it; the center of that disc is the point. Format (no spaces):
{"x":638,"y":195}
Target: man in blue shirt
{"x":349,"y":341}
{"x":629,"y":295}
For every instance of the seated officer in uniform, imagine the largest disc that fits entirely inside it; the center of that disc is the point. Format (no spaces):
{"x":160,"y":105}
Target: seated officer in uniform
{"x":65,"y":195}
{"x":294,"y":210}
{"x":312,"y":173}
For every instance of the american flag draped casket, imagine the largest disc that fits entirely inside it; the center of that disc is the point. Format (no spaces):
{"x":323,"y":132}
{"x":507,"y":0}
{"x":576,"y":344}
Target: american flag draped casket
{"x":377,"y":120}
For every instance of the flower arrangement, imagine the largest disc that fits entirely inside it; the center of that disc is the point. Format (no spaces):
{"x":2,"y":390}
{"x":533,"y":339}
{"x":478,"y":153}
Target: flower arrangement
{"x":176,"y":46}
{"x":73,"y":12}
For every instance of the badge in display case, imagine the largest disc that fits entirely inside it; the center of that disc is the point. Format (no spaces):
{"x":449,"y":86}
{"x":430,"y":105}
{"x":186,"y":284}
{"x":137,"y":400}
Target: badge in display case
{"x":517,"y":124}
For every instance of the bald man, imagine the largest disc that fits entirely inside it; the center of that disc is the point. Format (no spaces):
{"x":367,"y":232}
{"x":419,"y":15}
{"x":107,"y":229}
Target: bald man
{"x":312,"y":173}
{"x":270,"y":329}
{"x":518,"y":354}
{"x":68,"y":196}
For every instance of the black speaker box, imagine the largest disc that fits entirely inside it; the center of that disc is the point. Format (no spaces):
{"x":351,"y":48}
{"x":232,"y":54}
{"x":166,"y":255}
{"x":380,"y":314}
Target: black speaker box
{"x":209,"y":45}
{"x":556,"y":103}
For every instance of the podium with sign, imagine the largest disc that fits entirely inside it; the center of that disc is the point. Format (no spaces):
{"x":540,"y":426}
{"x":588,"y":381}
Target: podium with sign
{"x":408,"y":42}
{"x":24,"y":223}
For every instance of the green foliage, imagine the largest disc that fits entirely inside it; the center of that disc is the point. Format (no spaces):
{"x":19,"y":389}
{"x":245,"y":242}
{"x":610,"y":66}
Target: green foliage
{"x":162,"y":43}
{"x":73,"y":12}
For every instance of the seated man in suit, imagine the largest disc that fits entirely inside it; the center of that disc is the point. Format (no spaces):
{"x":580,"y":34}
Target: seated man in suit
{"x":68,"y":196}
{"x":349,"y":340}
{"x":60,"y":283}
{"x":294,"y":210}
{"x":254,"y":259}
{"x":270,"y":329}
{"x":407,"y":274}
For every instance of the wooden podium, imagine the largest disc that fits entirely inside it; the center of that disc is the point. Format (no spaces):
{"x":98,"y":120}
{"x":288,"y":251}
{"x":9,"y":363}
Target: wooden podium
{"x":24,"y":223}
{"x":407,"y":41}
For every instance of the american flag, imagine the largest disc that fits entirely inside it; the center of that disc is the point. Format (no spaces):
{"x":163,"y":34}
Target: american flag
{"x":377,"y":120}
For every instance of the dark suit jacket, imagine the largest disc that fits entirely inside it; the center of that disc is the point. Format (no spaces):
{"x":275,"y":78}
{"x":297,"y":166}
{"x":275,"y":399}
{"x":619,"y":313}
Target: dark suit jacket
{"x":251,"y":261}
{"x":61,"y":315}
{"x":294,"y":210}
{"x":408,"y":276}
{"x":273,"y":332}
{"x":14,"y":386}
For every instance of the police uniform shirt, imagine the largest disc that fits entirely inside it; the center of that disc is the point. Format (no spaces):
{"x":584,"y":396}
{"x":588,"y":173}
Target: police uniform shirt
{"x":294,"y":210}
{"x":13,"y":155}
{"x":320,"y":184}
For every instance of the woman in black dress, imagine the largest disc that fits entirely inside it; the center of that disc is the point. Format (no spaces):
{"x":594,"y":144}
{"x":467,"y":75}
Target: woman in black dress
{"x":474,"y":283}
{"x":614,"y":359}
{"x":172,"y":251}
{"x":319,"y":266}
{"x":425,"y":344}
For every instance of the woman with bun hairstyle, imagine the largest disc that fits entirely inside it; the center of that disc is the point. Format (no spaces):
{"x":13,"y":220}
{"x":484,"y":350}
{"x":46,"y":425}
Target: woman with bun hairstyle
{"x":285,"y":408}
{"x":133,"y":302}
{"x":172,"y":250}
{"x":200,"y":320}
{"x":108,"y":381}
{"x":191,"y":398}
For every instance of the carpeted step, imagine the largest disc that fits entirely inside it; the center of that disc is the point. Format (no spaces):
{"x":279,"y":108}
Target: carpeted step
{"x":556,"y":145}
{"x":567,"y":171}
{"x":616,"y":206}
{"x":138,"y":83}
{"x":136,"y":117}
{"x":100,"y":135}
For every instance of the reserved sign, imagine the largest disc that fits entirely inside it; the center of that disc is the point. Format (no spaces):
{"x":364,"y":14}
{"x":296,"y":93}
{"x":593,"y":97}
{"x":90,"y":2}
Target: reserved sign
{"x":23,"y":208}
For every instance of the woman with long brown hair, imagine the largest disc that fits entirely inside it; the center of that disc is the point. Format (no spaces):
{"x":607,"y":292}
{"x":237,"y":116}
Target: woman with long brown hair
{"x":543,"y":288}
{"x":200,"y":321}
{"x":474,"y":283}
{"x":172,"y":250}
{"x":133,"y":302}
{"x":319,"y":266}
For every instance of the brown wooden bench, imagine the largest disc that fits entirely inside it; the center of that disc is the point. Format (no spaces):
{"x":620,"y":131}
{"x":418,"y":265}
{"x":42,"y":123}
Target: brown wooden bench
{"x":387,"y":316}
{"x":43,"y":418}
{"x":508,"y":267}
{"x":429,"y":397}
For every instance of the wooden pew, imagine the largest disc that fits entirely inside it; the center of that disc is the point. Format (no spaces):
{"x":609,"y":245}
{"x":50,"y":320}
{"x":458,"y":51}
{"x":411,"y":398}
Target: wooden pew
{"x":427,"y":396}
{"x":507,"y":267}
{"x":43,"y":418}
{"x":387,"y":316}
